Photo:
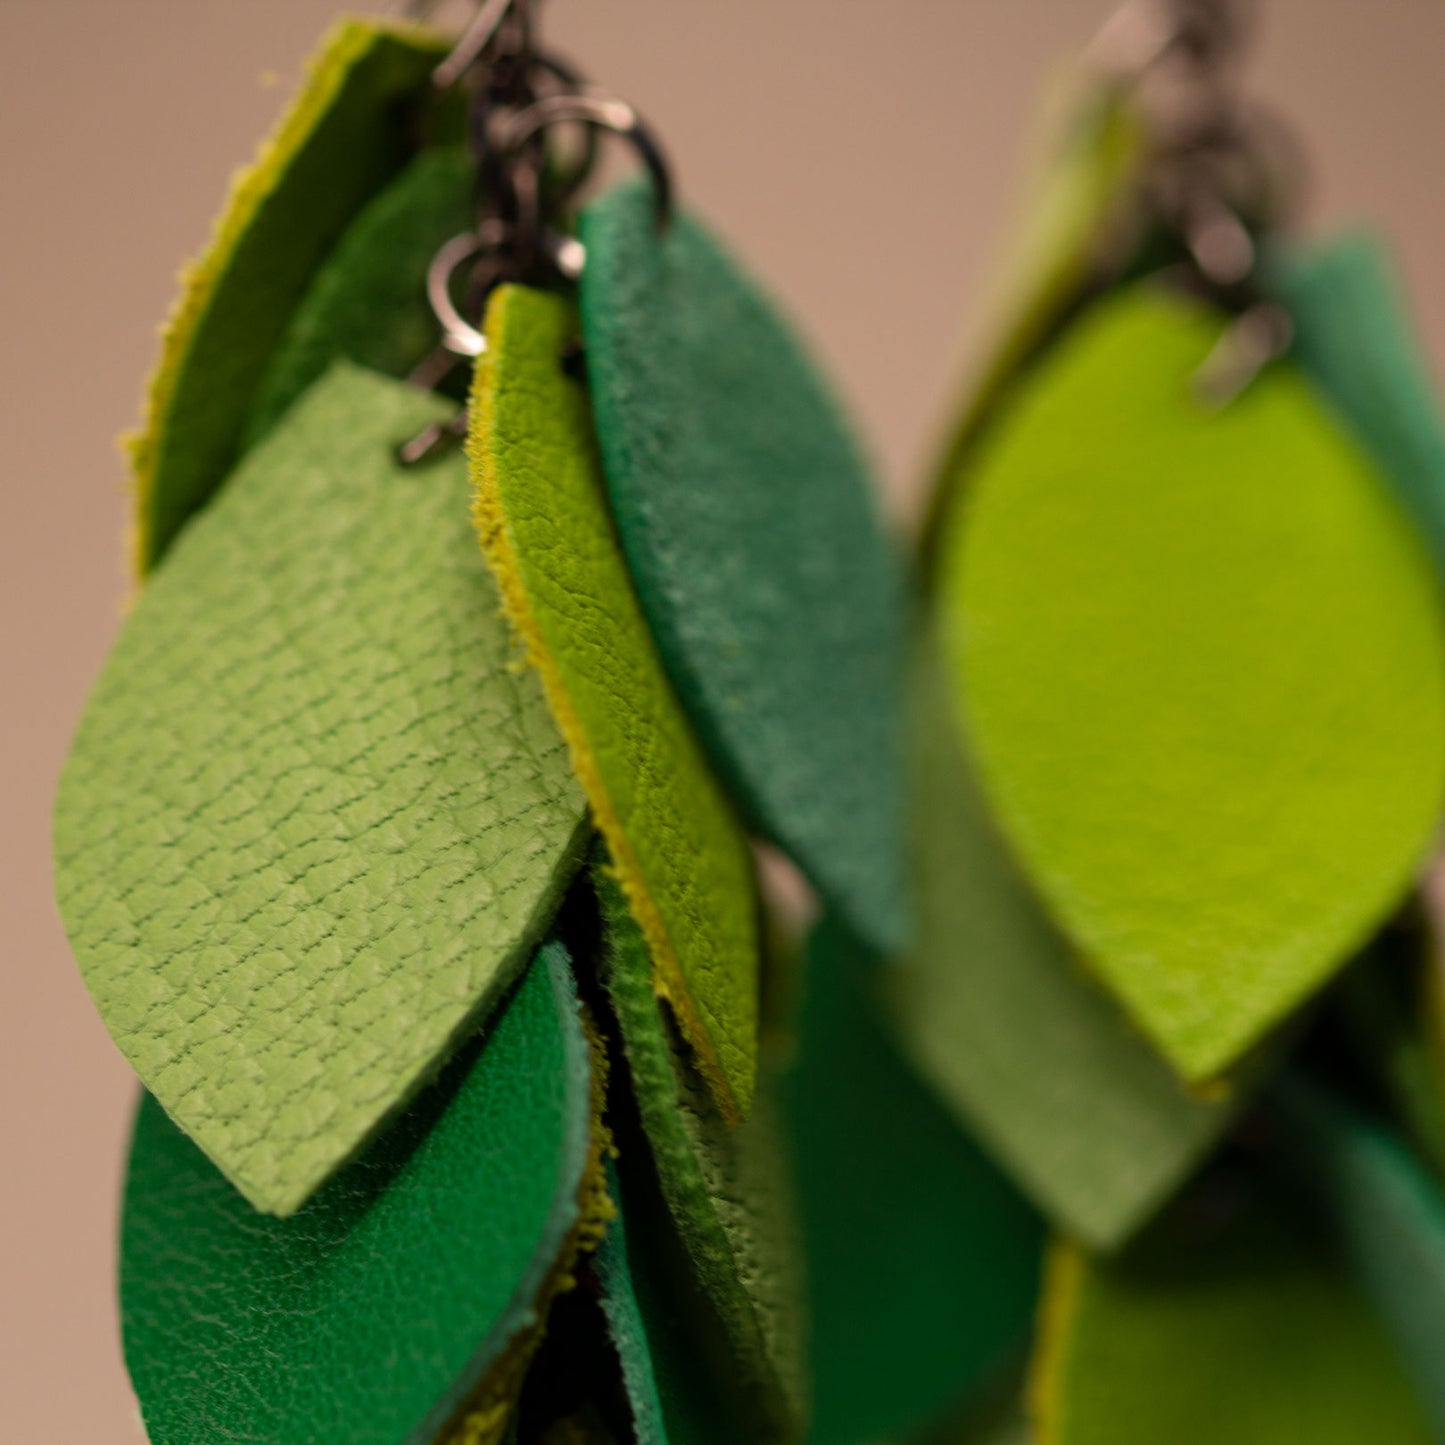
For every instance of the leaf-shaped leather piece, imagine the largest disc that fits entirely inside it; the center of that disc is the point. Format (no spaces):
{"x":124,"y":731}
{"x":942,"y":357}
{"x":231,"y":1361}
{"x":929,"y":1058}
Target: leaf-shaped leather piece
{"x":314,"y":820}
{"x":922,"y":1260}
{"x":727,"y":1189}
{"x":343,"y":137}
{"x":996,"y":1012}
{"x":388,"y":1305}
{"x":760,"y":560}
{"x":681,"y":858}
{"x":1200,"y":656}
{"x":368,"y":303}
{"x":1254,"y":1336}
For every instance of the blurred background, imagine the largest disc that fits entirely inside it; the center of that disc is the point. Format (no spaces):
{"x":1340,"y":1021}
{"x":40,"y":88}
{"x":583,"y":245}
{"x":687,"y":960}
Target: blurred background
{"x":862,"y":156}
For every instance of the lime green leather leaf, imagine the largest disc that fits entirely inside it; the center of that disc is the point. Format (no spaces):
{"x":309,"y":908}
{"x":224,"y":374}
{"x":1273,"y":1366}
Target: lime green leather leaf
{"x":761,"y":562}
{"x":1253,"y":1336}
{"x":383,"y":1308}
{"x":922,"y":1260}
{"x":994,"y":1009}
{"x":343,"y":137}
{"x":681,"y":858}
{"x":368,"y":303}
{"x":314,"y":820}
{"x":727,"y":1189}
{"x":1201,"y":662}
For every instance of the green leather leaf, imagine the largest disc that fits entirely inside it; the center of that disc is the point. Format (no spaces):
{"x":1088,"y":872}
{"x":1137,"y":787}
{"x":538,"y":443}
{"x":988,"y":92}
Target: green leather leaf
{"x":368,"y":303}
{"x":727,"y":1189}
{"x":922,"y":1260}
{"x":314,"y":820}
{"x":343,"y":137}
{"x":682,"y":860}
{"x":746,"y":513}
{"x":1354,"y":336}
{"x":381,"y":1309}
{"x":1202,"y":667}
{"x":996,"y":1012}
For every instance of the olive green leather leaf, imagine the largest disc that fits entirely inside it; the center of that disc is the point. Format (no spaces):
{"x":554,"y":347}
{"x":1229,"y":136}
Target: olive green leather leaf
{"x":1253,"y":1335}
{"x":681,"y":857}
{"x":314,"y":820}
{"x":343,"y":137}
{"x":368,"y":303}
{"x":727,"y":1189}
{"x":1354,"y":337}
{"x":1200,"y":660}
{"x":746,"y":513}
{"x":390,"y":1304}
{"x":922,"y":1260}
{"x":994,"y":1009}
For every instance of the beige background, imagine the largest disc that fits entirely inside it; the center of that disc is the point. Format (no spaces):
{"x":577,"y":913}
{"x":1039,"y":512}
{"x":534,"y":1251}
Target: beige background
{"x":860,"y":154}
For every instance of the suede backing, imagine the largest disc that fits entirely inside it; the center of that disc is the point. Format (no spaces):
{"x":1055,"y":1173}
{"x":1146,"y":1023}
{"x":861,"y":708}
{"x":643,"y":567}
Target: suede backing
{"x":1251,"y":1335}
{"x":377,"y":1311}
{"x":314,"y":819}
{"x":728,"y":1190}
{"x":680,"y":855}
{"x":368,"y":303}
{"x":995,"y":1010}
{"x":760,"y":560}
{"x":922,"y":1260}
{"x":342,"y":138}
{"x":1201,"y":661}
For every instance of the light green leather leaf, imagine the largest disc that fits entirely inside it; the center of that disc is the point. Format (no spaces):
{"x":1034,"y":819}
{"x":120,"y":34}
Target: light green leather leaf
{"x":1200,"y":660}
{"x":314,"y":819}
{"x":680,"y":855}
{"x":347,"y":132}
{"x":1253,"y":1335}
{"x":994,"y":1008}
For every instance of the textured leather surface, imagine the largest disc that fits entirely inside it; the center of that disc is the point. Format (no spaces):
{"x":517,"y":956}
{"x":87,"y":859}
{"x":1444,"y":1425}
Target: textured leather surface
{"x":1203,"y":671}
{"x":1354,"y":336}
{"x":760,"y":560}
{"x":342,"y":138}
{"x":681,"y":858}
{"x":1251,"y":1334}
{"x":922,"y":1260}
{"x":374,"y":1312}
{"x":314,"y":819}
{"x":728,"y":1190}
{"x":996,"y":1012}
{"x":368,"y":303}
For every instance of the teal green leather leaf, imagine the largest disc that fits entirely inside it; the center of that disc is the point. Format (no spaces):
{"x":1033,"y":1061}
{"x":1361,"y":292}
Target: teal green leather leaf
{"x":345,"y":135}
{"x":759,"y":558}
{"x":377,"y":1312}
{"x":1354,"y":336}
{"x":728,"y":1189}
{"x":368,"y":303}
{"x":1251,"y":1335}
{"x":922,"y":1260}
{"x":1200,"y":659}
{"x":314,"y":819}
{"x":996,"y":1012}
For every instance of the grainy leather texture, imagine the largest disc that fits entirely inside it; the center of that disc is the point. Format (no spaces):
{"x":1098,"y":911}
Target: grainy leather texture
{"x":343,"y":137}
{"x":681,"y":857}
{"x":368,"y":304}
{"x":757,"y":551}
{"x":1250,"y":1334}
{"x":375,"y":1312}
{"x":997,"y":1013}
{"x":1201,"y":661}
{"x":728,"y":1190}
{"x":922,"y":1259}
{"x":314,"y":819}
{"x":1354,"y":336}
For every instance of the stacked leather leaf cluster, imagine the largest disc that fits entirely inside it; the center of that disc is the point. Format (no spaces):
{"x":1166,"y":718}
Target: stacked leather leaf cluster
{"x":406,"y":846}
